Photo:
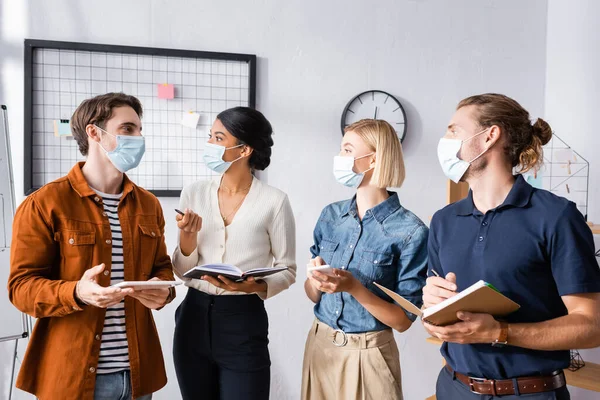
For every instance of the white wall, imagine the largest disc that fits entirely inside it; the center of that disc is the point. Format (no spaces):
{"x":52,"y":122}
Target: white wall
{"x":314,"y":56}
{"x":573,"y":99}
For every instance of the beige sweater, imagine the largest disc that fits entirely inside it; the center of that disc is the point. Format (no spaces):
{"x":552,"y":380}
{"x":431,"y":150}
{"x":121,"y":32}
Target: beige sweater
{"x":262,"y":234}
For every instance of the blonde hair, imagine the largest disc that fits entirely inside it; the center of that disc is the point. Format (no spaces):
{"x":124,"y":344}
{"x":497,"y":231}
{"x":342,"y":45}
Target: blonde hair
{"x":381,"y":137}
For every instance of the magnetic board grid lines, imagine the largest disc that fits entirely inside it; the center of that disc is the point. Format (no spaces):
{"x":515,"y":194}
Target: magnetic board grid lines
{"x":65,"y":74}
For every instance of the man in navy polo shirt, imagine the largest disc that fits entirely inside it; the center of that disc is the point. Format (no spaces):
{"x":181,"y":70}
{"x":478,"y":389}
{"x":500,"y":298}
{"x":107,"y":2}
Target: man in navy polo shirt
{"x":533,"y":246}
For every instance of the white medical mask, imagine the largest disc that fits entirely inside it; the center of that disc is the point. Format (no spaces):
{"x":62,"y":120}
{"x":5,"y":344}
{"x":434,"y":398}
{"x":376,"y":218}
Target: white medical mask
{"x":343,"y":171}
{"x":213,"y":157}
{"x":128,"y":153}
{"x":455,"y":168}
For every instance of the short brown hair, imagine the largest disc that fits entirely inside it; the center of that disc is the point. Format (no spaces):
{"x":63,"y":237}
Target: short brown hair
{"x":381,"y":137}
{"x":523,"y":141}
{"x":97,"y":111}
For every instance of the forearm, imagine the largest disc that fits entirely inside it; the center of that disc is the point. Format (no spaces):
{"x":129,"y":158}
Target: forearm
{"x":187,"y":242}
{"x":388,"y":313}
{"x":313,"y":293}
{"x":573,"y":331}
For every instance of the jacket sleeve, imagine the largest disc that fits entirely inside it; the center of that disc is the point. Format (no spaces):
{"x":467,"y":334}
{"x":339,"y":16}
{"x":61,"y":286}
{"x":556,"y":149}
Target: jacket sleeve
{"x":33,"y":262}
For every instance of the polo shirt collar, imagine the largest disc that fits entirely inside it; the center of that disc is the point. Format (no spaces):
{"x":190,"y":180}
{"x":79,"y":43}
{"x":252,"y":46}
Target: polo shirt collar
{"x":519,"y":196}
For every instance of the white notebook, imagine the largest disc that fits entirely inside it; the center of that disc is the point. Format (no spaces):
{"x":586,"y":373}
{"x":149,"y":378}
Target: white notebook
{"x":230,"y":271}
{"x":481,"y":297}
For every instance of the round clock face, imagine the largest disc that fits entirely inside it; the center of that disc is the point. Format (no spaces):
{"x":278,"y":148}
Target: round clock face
{"x":376,"y":104}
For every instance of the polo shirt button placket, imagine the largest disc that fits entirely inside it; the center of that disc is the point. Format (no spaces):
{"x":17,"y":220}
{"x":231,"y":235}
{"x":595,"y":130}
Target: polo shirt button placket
{"x":483,"y":230}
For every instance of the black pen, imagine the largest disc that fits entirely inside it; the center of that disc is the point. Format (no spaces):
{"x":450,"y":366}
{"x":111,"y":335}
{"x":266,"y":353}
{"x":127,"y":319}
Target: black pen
{"x":180,"y":212}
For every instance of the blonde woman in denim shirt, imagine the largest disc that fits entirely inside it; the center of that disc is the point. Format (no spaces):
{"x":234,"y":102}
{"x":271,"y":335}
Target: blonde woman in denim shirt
{"x":350,"y":351}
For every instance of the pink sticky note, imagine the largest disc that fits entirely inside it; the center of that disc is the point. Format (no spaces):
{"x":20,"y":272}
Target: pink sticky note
{"x":166,"y":91}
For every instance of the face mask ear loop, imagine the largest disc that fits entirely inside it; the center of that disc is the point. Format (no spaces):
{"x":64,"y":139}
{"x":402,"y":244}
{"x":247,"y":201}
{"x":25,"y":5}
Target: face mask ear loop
{"x":234,"y":147}
{"x":477,"y":134}
{"x":100,"y":144}
{"x":366,"y":155}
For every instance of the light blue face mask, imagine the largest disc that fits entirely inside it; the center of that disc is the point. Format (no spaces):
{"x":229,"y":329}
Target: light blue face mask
{"x":128,"y":153}
{"x":213,"y":157}
{"x":343,"y":171}
{"x":455,"y":168}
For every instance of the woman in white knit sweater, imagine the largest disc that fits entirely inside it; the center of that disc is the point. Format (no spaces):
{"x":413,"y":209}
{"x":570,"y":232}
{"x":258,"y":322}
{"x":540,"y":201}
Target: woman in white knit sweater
{"x":220,"y":345}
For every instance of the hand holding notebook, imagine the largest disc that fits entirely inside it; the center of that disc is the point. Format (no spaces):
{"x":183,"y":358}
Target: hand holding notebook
{"x":230,"y":271}
{"x":480,"y":297}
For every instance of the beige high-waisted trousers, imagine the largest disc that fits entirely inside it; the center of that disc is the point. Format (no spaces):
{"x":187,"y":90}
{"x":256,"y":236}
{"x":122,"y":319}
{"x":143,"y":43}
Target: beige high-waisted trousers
{"x":367,"y":367}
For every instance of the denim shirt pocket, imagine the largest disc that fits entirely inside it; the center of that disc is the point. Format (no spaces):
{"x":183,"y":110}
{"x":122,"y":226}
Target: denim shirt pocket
{"x":327,"y":250}
{"x":376,"y":265}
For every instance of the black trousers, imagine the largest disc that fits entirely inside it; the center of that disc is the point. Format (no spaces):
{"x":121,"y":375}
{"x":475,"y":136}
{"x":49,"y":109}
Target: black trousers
{"x":450,"y":388}
{"x":220,"y":347}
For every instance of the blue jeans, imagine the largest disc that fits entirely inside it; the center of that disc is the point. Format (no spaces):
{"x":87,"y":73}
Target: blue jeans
{"x":115,"y":386}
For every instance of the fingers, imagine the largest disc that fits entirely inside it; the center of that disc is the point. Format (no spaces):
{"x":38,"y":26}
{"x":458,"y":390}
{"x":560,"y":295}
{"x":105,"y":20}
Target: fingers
{"x":227,"y":281}
{"x":111,"y":303}
{"x":341,"y":273}
{"x":198,"y":224}
{"x":322,"y":286}
{"x":93,"y":272}
{"x":438,"y":292}
{"x":464,"y":316}
{"x":317,"y":284}
{"x":451,"y":277}
{"x":185,"y":218}
{"x":109,"y":291}
{"x":145,"y":295}
{"x":317,"y":261}
{"x":214,"y":281}
{"x":442,"y":283}
{"x":321,"y":276}
{"x":189,"y":222}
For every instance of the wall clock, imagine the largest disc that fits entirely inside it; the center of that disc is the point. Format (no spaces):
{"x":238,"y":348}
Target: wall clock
{"x":376,"y":104}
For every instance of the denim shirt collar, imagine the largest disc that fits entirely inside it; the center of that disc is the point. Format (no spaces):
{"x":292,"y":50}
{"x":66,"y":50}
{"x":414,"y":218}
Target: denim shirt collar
{"x":519,"y":196}
{"x":380,"y":212}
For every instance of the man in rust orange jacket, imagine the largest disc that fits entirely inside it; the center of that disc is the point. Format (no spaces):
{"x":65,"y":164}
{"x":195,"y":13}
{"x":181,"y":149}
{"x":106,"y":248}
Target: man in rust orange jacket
{"x":72,"y":240}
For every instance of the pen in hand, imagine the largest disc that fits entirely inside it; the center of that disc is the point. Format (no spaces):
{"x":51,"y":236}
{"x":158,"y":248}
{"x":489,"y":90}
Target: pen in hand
{"x":180,"y":212}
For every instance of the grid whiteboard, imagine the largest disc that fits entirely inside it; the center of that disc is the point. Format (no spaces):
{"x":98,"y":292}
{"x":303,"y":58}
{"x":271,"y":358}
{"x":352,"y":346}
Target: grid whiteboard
{"x":60,"y":75}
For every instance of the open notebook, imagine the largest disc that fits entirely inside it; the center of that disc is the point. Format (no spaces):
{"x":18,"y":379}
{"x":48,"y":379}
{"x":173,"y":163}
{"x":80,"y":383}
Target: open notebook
{"x":481,"y":297}
{"x":230,"y":271}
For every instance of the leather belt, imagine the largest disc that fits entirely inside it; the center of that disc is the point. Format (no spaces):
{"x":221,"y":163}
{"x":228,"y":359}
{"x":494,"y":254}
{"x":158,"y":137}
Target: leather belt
{"x":526,"y":385}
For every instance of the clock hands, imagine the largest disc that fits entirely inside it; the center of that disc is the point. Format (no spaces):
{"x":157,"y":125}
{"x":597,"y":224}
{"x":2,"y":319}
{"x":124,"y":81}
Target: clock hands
{"x":375,"y":117}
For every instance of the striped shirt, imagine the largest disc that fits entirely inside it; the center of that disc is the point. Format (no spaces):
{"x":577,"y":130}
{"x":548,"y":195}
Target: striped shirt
{"x":114,"y":351}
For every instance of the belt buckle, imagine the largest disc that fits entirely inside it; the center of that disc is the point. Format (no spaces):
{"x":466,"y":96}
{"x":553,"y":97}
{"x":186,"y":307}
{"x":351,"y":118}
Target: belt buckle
{"x":344,"y":338}
{"x":482,"y":380}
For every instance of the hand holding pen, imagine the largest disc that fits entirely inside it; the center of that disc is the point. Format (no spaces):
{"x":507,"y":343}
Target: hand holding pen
{"x":438,"y":289}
